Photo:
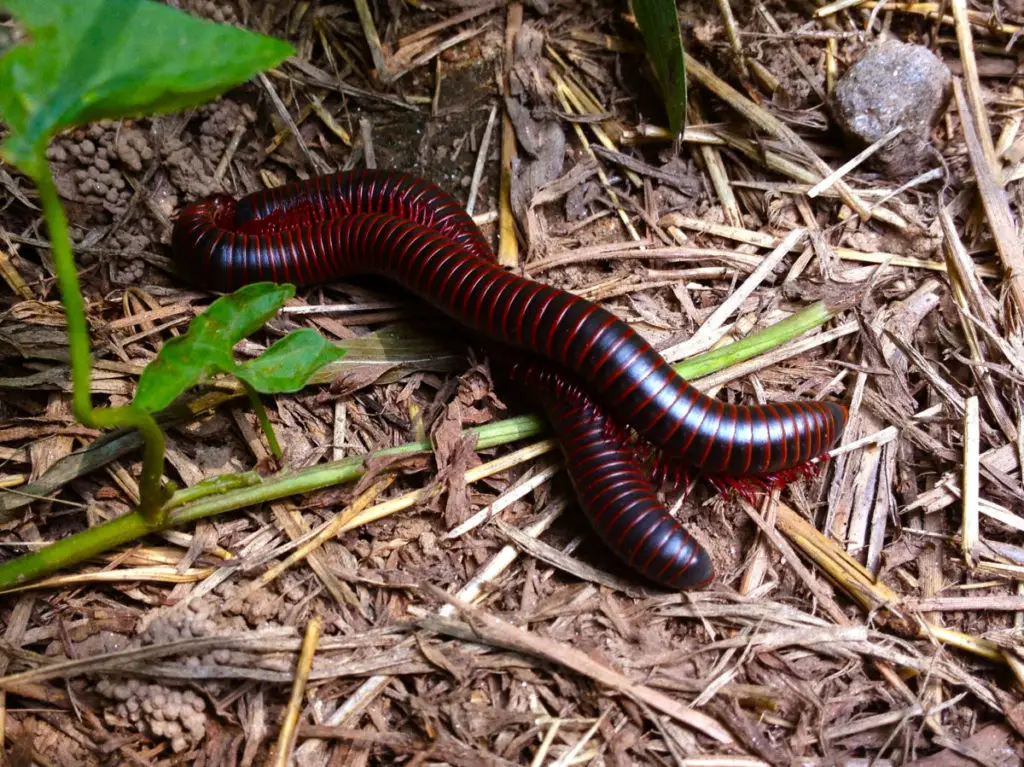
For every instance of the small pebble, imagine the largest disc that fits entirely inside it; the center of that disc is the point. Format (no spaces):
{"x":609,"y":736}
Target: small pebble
{"x":893,"y":85}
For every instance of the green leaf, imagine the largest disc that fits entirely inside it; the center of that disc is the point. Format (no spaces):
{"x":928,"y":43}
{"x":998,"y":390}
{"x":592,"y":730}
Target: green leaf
{"x":287,"y":365}
{"x":659,"y":24}
{"x":207,"y":348}
{"x":240,"y":314}
{"x":87,"y":60}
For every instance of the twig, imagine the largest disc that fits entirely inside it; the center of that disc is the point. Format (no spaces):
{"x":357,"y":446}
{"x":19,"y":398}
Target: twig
{"x":993,"y":199}
{"x":372,"y":39}
{"x":716,"y":170}
{"x":459,"y":18}
{"x":286,"y":118}
{"x":732,"y":32}
{"x":563,"y":92}
{"x":508,"y":246}
{"x":556,"y":558}
{"x":366,"y":134}
{"x":771,"y":124}
{"x":997,"y":602}
{"x":286,"y":738}
{"x":485,"y":626}
{"x":481,"y":161}
{"x":703,"y":338}
{"x":630,"y":163}
{"x":327,"y":531}
{"x":400,"y":71}
{"x":971,"y":484}
{"x":972,"y":86}
{"x":471,"y":591}
{"x":848,"y":166}
{"x":518,"y":491}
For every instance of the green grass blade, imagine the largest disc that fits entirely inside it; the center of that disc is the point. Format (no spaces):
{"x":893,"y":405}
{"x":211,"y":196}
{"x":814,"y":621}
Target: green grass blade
{"x":659,"y":24}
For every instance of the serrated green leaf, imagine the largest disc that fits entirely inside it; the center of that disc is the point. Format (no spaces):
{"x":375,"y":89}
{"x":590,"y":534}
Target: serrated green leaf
{"x":287,"y":365}
{"x":87,"y":60}
{"x":659,"y":24}
{"x":207,"y":347}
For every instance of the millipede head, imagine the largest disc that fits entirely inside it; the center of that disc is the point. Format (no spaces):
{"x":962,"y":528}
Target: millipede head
{"x":672,"y":473}
{"x":746,"y":488}
{"x":224,"y":208}
{"x":749,"y":486}
{"x":220,"y":208}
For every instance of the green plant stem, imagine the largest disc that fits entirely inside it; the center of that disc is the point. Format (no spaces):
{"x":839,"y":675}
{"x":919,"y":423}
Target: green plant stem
{"x":151,"y":497}
{"x":212,"y":486}
{"x":264,"y":419}
{"x":76,"y":548}
{"x":232,"y":492}
{"x":229,"y":493}
{"x":763,"y":340}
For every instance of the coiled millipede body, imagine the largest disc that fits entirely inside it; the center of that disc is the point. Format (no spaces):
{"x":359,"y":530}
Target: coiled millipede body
{"x":413,"y":233}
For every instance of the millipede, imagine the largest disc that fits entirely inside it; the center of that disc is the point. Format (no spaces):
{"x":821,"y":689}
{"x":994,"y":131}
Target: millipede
{"x":413,"y":233}
{"x":614,"y":491}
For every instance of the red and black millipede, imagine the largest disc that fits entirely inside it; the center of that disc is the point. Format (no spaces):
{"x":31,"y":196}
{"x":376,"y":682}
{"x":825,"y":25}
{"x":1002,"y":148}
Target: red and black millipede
{"x":410,"y":231}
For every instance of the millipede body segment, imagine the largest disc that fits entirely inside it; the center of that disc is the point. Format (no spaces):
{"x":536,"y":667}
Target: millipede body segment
{"x":614,"y":491}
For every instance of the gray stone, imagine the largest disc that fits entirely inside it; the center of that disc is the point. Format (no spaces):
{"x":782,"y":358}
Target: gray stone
{"x":893,"y":84}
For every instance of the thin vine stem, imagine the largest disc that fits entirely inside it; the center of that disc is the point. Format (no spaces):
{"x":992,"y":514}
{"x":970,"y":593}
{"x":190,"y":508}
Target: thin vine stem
{"x":264,"y":419}
{"x":154,"y":444}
